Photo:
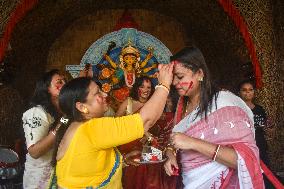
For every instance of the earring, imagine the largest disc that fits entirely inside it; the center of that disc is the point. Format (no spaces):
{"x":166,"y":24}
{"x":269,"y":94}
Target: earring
{"x":200,"y":79}
{"x":85,"y":111}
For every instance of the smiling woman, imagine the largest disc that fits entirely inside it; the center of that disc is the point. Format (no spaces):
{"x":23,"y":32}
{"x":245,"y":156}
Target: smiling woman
{"x":135,"y":174}
{"x":38,"y":123}
{"x":139,"y":94}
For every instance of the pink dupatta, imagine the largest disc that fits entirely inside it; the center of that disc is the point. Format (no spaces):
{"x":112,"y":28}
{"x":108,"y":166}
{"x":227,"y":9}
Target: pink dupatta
{"x":227,"y":126}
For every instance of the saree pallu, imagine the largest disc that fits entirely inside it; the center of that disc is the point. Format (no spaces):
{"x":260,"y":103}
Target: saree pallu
{"x":229,"y":124}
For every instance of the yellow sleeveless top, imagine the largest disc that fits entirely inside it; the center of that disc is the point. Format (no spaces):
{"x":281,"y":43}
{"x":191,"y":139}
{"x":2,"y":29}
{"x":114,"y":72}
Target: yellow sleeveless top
{"x":91,"y":160}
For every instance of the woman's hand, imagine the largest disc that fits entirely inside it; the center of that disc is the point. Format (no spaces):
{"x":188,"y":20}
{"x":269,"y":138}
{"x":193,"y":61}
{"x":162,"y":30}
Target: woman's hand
{"x":132,"y":158}
{"x":171,"y":166}
{"x":165,"y":74}
{"x":181,"y":141}
{"x":225,"y":155}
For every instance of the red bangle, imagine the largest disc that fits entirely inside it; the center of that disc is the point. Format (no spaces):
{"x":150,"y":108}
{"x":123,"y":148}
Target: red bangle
{"x":216,"y":152}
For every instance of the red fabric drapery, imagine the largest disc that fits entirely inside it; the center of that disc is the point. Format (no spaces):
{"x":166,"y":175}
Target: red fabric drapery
{"x":19,"y":12}
{"x":276,"y":183}
{"x":25,"y":5}
{"x":235,"y":15}
{"x":126,"y":21}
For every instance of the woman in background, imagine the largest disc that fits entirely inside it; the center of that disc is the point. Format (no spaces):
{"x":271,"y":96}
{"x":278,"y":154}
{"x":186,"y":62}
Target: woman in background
{"x":247,"y":93}
{"x":144,"y":176}
{"x":38,"y":123}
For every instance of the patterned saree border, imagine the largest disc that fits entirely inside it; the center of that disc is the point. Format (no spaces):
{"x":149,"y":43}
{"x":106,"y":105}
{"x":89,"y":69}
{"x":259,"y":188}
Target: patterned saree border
{"x":115,"y":167}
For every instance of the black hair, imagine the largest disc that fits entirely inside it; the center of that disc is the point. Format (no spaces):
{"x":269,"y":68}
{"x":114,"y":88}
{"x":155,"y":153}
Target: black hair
{"x":41,"y":94}
{"x":193,"y":59}
{"x":246,"y":81}
{"x":174,"y":97}
{"x":138,"y":83}
{"x":72,"y":92}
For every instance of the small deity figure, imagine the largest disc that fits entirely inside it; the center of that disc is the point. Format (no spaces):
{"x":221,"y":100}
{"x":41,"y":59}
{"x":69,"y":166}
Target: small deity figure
{"x":129,"y":66}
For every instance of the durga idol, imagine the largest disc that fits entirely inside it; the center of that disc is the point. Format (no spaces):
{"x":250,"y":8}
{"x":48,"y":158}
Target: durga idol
{"x":130,"y":65}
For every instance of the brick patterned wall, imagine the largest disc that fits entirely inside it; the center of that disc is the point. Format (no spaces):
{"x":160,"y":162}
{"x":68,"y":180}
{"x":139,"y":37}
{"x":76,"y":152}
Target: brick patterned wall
{"x":264,"y":22}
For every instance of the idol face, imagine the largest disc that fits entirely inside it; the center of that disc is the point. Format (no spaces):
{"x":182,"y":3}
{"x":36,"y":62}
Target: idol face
{"x":130,"y":59}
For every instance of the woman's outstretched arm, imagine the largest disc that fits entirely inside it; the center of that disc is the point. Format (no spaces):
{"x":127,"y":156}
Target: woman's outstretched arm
{"x":153,"y":108}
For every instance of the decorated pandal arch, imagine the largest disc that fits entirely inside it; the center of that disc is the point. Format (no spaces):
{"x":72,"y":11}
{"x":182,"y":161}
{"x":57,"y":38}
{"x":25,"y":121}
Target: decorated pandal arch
{"x":228,"y":6}
{"x":108,"y":57}
{"x":250,"y":36}
{"x":118,"y":58}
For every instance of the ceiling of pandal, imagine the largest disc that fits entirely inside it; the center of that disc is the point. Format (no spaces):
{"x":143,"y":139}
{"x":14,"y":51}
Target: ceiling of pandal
{"x":206,"y":24}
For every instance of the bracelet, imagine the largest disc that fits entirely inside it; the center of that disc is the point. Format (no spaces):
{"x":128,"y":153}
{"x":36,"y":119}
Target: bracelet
{"x":171,"y":149}
{"x":216,"y":152}
{"x":124,"y":161}
{"x":54,"y":133}
{"x":163,"y":87}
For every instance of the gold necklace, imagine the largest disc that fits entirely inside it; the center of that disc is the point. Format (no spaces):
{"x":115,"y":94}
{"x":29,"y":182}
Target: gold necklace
{"x":186,"y":108}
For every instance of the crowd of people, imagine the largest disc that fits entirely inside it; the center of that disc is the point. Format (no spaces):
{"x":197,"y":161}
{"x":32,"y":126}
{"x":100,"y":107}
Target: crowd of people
{"x":207,"y":136}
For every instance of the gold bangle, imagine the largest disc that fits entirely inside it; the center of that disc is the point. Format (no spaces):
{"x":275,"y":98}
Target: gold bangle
{"x":171,"y":149}
{"x":124,"y":160}
{"x":163,"y":87}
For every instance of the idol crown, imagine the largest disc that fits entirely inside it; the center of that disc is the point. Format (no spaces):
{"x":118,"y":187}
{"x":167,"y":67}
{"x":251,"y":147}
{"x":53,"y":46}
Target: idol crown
{"x":129,"y":49}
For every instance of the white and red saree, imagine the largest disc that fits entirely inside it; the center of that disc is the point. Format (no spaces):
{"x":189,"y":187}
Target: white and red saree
{"x":230,"y":123}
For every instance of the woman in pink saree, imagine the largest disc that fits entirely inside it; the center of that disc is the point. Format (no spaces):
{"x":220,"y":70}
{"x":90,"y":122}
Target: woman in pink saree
{"x":213,"y":131}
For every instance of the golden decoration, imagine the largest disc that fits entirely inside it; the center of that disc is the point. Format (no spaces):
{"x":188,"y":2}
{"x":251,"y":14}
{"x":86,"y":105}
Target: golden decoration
{"x":106,"y":87}
{"x":106,"y":73}
{"x":129,"y":49}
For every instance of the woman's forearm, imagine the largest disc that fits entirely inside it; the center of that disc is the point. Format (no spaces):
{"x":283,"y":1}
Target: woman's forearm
{"x":153,"y":108}
{"x":225,"y":155}
{"x":42,"y":146}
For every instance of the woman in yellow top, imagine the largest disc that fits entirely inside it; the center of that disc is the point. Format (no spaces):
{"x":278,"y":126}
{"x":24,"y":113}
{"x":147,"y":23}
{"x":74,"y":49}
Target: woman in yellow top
{"x":86,"y":155}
